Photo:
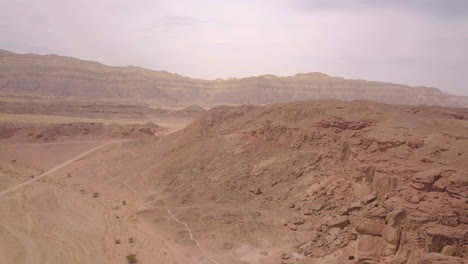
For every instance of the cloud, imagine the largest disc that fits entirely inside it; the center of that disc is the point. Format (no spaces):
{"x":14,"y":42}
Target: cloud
{"x":182,"y":20}
{"x":436,"y":8}
{"x":37,"y":19}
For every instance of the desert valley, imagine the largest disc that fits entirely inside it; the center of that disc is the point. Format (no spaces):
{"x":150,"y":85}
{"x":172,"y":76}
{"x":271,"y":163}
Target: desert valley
{"x":103,"y":164}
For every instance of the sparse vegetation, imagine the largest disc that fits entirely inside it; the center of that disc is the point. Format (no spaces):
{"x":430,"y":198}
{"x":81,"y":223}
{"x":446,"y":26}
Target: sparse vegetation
{"x":131,"y":258}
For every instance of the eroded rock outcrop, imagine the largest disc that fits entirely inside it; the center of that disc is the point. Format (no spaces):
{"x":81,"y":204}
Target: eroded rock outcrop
{"x":331,"y":186}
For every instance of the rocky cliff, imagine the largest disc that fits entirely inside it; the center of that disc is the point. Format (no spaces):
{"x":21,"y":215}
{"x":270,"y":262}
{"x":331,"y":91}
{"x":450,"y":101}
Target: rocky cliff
{"x":356,"y":182}
{"x":57,"y":76}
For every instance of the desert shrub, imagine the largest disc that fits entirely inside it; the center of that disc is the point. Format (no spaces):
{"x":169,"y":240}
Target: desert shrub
{"x":117,"y":241}
{"x":124,"y":202}
{"x":131,"y":240}
{"x":96,"y":195}
{"x":131,"y":258}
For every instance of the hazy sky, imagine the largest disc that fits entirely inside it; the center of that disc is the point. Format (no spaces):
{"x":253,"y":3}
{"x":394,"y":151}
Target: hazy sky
{"x":416,"y":42}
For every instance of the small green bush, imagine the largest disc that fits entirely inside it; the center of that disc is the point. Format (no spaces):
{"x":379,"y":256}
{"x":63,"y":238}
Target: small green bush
{"x":131,"y":258}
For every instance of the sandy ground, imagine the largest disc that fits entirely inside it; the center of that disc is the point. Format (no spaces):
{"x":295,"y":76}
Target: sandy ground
{"x":62,"y":219}
{"x":58,"y":203}
{"x":80,"y":213}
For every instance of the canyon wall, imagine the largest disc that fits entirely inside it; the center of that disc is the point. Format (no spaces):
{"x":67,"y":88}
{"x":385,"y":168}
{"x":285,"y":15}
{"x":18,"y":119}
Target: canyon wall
{"x":64,"y":77}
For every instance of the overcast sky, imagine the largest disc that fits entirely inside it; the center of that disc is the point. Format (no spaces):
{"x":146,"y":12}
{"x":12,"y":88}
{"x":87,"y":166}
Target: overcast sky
{"x":415,"y":42}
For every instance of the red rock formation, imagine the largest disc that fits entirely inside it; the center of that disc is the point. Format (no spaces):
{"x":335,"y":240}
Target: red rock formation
{"x":338,"y":175}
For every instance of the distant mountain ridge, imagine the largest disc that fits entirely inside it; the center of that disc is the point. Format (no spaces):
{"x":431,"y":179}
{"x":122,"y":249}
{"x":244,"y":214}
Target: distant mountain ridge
{"x":66,"y":77}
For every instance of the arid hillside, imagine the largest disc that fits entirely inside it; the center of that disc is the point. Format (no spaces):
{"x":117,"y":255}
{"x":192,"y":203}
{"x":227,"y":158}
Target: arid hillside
{"x":322,"y":181}
{"x":64,"y":77}
{"x":314,"y":182}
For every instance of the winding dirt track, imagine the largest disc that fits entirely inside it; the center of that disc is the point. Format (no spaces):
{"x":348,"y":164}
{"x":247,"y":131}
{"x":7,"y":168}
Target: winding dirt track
{"x":26,"y":183}
{"x":173,"y":217}
{"x":170,"y":214}
{"x":16,"y":187}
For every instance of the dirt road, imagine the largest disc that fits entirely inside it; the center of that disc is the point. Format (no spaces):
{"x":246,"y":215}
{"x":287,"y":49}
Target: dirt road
{"x":16,"y":187}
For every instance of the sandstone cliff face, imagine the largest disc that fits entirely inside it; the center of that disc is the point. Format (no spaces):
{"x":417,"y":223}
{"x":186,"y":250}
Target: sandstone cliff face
{"x":362,"y":182}
{"x":58,"y":76}
{"x":67,"y":77}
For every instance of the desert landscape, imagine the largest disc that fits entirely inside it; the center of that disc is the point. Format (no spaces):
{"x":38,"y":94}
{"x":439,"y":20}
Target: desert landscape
{"x":321,"y":181}
{"x":118,"y":164}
